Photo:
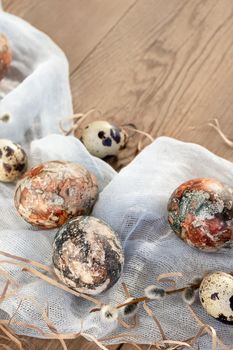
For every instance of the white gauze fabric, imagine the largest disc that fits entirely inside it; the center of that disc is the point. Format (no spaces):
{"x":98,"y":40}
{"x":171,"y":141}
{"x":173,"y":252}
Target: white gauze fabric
{"x":133,"y":202}
{"x":36,"y":88}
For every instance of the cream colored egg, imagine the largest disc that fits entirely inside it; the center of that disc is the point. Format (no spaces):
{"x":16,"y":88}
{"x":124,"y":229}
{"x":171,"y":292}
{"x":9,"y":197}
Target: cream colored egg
{"x":103,"y":139}
{"x":216,"y":296}
{"x":13,"y":161}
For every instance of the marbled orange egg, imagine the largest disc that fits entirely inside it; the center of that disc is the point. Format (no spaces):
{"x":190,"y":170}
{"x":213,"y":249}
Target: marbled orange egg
{"x":53,"y":192}
{"x":5,"y":55}
{"x":200,"y":211}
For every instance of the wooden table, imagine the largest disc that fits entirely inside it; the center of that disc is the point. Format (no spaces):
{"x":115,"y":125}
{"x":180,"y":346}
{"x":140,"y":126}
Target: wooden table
{"x":165,"y":65}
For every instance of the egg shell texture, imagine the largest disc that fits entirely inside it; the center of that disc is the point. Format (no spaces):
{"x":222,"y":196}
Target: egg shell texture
{"x":200,"y":212}
{"x":5,"y":55}
{"x":13,"y":161}
{"x":53,"y":192}
{"x":103,"y":139}
{"x":87,"y":255}
{"x":216,"y":295}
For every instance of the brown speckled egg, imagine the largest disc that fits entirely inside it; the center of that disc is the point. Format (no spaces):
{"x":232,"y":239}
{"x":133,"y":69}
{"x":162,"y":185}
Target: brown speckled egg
{"x":87,"y":255}
{"x":200,"y":212}
{"x":13,"y":161}
{"x":53,"y":192}
{"x":216,"y":295}
{"x":103,"y":139}
{"x":5,"y":55}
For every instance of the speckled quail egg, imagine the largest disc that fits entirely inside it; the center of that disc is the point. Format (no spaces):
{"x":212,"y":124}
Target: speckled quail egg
{"x":5,"y":55}
{"x":13,"y":161}
{"x":55,"y":191}
{"x":216,"y":295}
{"x":103,"y":139}
{"x":200,"y":211}
{"x":87,"y":255}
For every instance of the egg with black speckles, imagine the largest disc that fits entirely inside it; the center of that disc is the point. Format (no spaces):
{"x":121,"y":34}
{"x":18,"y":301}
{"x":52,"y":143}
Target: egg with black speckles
{"x":87,"y":255}
{"x":216,"y":296}
{"x":200,"y":212}
{"x":103,"y":139}
{"x":5,"y":55}
{"x":53,"y":192}
{"x":13,"y":161}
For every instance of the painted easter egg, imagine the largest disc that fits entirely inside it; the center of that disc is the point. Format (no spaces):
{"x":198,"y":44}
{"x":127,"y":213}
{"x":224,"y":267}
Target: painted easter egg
{"x":216,"y":296}
{"x":13,"y":161}
{"x":200,"y":212}
{"x":5,"y":55}
{"x":53,"y":192}
{"x":87,"y":255}
{"x":103,"y":139}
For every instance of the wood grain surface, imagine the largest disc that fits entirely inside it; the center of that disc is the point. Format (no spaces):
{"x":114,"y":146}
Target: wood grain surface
{"x":165,"y":65}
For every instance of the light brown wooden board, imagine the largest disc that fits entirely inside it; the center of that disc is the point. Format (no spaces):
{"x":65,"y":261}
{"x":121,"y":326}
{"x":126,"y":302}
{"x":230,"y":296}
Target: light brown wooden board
{"x":164,"y":65}
{"x":77,"y":26}
{"x":167,"y":66}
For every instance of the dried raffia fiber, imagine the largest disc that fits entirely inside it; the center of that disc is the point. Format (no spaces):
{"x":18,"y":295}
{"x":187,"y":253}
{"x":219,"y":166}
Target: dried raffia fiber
{"x":133,"y":202}
{"x":216,"y":126}
{"x":54,"y":334}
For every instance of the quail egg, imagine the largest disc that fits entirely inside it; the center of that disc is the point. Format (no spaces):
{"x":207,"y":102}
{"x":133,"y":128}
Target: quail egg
{"x":13,"y":161}
{"x":53,"y":192}
{"x":87,"y":255}
{"x":103,"y":139}
{"x":200,"y":212}
{"x":216,"y":295}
